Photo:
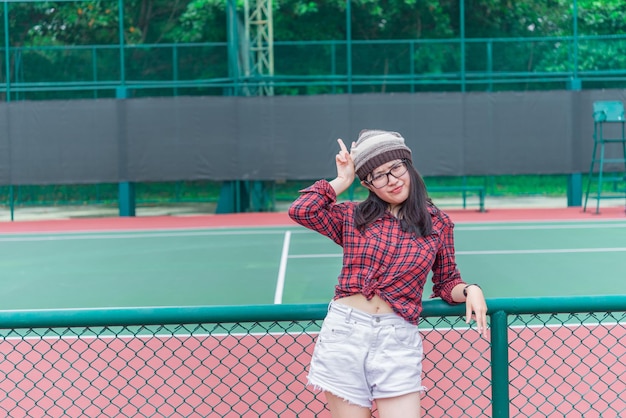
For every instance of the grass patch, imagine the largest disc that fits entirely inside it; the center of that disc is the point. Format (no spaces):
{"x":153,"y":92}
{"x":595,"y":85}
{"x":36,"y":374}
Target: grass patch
{"x":209,"y":191}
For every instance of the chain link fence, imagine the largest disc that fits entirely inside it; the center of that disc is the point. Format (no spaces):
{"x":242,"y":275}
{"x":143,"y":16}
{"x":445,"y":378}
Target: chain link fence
{"x":252,"y":362}
{"x":568,"y":365}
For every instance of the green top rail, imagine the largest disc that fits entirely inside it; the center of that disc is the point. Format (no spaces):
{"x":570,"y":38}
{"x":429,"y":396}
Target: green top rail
{"x":49,"y":318}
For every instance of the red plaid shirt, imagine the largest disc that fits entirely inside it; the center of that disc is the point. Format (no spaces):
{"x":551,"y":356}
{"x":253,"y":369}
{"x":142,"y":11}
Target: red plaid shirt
{"x":382,"y":260}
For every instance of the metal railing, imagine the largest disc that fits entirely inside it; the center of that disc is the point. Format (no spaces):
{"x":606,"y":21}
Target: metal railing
{"x":546,"y":356}
{"x":315,"y":67}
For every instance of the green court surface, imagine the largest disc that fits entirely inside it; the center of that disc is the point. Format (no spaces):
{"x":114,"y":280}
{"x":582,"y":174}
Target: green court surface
{"x":243,"y":266}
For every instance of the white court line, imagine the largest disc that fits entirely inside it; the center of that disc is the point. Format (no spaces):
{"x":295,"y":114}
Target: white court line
{"x":549,"y":251}
{"x":534,"y":227}
{"x":280,"y":282}
{"x":135,"y":235}
{"x":498,"y":252}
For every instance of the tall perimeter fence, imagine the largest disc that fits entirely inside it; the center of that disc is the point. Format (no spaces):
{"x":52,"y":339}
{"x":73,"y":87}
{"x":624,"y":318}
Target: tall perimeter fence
{"x":545,"y":357}
{"x":573,"y":52}
{"x":100,"y":115}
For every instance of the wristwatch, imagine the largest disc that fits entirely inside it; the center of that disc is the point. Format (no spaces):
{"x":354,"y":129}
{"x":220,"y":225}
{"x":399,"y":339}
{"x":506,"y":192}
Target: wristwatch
{"x":465,"y":288}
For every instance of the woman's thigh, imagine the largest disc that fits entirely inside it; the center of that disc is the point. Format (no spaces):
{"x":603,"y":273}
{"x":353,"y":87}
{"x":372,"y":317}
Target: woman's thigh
{"x":405,"y":406}
{"x":340,"y":408}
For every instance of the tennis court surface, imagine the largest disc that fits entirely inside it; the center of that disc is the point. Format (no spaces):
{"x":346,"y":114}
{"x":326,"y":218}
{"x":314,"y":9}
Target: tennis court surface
{"x":557,"y":363}
{"x":265,"y":258}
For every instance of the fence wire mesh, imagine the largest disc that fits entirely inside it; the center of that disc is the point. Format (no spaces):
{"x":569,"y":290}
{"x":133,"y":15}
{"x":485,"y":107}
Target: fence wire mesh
{"x":559,"y":365}
{"x":568,"y":365}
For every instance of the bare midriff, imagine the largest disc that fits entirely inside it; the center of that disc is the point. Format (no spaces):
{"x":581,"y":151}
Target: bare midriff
{"x":375,"y":305}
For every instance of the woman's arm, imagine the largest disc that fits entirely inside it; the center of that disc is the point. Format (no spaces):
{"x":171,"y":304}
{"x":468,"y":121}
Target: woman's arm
{"x":316,"y":207}
{"x":448,"y":285}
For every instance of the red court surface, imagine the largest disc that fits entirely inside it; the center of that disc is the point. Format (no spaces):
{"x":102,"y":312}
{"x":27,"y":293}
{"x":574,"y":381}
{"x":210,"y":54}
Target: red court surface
{"x":282,"y":219}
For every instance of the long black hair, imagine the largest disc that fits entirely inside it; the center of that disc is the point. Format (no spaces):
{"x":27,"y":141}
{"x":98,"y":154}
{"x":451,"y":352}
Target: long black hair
{"x":413,"y":214}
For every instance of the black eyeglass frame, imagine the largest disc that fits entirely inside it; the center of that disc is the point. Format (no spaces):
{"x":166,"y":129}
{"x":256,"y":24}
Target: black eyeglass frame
{"x":403,"y":161}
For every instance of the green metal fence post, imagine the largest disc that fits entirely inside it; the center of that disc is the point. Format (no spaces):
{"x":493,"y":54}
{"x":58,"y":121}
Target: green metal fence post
{"x":120,"y":30}
{"x":229,"y":199}
{"x":349,"y":44}
{"x":489,"y":47}
{"x":412,"y":65}
{"x":575,"y":189}
{"x":126,"y":189}
{"x":7,"y":54}
{"x":234,"y":197}
{"x":12,"y":201}
{"x":94,"y":69}
{"x":499,"y":365}
{"x":234,"y":70}
{"x":575,"y":83}
{"x":126,"y":198}
{"x":175,"y":67}
{"x":462,"y":36}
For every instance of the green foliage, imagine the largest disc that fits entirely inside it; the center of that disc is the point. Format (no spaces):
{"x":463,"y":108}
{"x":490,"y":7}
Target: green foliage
{"x":149,"y":21}
{"x":73,"y":23}
{"x":605,"y":17}
{"x":201,"y":21}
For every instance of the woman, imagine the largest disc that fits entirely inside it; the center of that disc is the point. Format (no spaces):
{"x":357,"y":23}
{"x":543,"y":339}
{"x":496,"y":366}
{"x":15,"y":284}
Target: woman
{"x":369,"y":348}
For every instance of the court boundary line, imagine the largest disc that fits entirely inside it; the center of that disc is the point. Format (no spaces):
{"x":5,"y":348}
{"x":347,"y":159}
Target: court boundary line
{"x":131,"y":235}
{"x":256,"y":219}
{"x":540,"y":225}
{"x":282,"y":269}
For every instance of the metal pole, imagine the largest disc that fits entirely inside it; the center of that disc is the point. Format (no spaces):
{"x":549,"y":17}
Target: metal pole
{"x":575,"y":33}
{"x":94,"y":69}
{"x":575,"y":83}
{"x":233,"y":47}
{"x":499,"y":365}
{"x":120,"y":5}
{"x":7,"y":55}
{"x":12,"y":201}
{"x":462,"y":28}
{"x":175,"y":68}
{"x":349,"y":44}
{"x":490,"y":64}
{"x":7,"y":67}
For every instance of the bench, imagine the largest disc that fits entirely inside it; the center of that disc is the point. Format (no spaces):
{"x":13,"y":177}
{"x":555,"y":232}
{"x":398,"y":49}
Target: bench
{"x":478,"y":190}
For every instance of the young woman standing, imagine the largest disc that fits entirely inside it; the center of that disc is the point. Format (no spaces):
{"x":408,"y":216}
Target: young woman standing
{"x":369,"y":348}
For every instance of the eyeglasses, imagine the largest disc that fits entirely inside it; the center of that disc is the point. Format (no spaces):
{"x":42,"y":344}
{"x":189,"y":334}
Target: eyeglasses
{"x":382,"y":179}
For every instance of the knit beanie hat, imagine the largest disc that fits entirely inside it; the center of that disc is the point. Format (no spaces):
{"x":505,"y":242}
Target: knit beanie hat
{"x":374,"y":148}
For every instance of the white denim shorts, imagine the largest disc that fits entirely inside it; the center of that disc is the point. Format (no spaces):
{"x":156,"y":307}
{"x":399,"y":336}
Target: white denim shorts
{"x":360,"y":357}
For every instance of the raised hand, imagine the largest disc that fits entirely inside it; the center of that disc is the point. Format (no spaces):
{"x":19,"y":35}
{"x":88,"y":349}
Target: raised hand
{"x":345,"y":169}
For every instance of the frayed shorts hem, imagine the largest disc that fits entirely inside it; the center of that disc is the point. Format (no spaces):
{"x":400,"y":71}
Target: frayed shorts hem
{"x":368,"y":404}
{"x":337,"y":393}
